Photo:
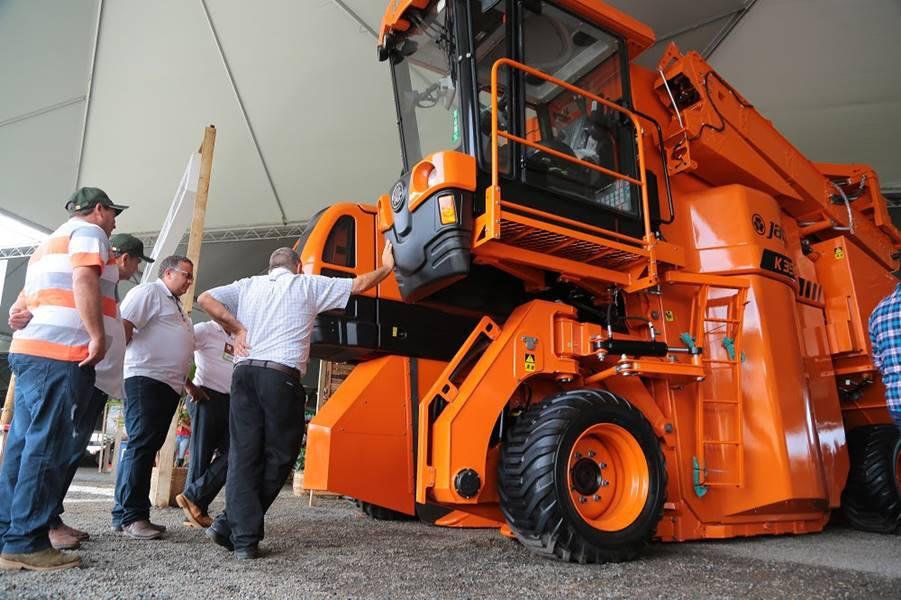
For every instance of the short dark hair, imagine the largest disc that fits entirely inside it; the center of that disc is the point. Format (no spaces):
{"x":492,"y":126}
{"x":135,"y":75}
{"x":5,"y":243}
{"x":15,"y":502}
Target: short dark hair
{"x":172,"y":262}
{"x":284,"y":258}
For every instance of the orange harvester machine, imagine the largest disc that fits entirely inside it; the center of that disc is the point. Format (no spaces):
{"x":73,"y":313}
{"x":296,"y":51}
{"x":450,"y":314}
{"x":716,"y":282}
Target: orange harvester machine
{"x":624,"y":307}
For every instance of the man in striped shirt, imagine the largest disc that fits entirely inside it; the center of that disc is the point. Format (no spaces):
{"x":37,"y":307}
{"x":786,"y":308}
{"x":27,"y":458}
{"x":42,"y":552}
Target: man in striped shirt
{"x":885,"y":334}
{"x":69,"y":290}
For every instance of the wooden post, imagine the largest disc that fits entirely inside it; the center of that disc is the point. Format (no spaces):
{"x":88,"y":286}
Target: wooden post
{"x":6,"y":415}
{"x":164,"y":474}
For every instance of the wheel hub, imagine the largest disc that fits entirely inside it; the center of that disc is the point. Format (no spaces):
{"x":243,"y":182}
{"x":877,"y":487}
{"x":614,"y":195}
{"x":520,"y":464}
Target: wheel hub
{"x":608,"y":477}
{"x":586,"y":476}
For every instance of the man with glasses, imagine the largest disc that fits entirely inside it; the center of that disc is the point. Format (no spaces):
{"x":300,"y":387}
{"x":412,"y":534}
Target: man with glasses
{"x":158,"y":356}
{"x":69,"y":298}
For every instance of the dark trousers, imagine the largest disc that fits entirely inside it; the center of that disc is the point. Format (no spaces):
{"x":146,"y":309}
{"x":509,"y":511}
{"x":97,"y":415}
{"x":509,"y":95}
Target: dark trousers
{"x":265,"y":431}
{"x":149,"y":407}
{"x":209,"y":448}
{"x":49,"y":397}
{"x":84,"y":427}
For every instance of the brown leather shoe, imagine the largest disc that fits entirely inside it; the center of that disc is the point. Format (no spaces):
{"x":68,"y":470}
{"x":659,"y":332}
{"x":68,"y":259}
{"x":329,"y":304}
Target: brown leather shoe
{"x":50,"y":559}
{"x":62,"y":539}
{"x":142,"y":530}
{"x":81,"y":536}
{"x":193,"y":512}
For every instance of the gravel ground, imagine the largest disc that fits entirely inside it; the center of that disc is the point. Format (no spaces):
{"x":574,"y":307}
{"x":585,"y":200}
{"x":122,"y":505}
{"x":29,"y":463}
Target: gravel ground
{"x":333,"y":550}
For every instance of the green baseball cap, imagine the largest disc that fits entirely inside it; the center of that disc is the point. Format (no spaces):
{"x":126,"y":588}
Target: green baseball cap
{"x":88,"y":197}
{"x":124,"y":243}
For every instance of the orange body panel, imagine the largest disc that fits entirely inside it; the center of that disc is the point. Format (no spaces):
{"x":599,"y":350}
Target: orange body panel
{"x":361,"y":442}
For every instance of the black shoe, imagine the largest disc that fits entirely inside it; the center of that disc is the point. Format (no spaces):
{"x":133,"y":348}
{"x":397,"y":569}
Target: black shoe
{"x":249,"y":553}
{"x":219,"y":539}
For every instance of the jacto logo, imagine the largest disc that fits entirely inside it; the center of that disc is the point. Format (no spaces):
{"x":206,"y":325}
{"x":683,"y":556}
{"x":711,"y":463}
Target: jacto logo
{"x":759,"y":224}
{"x":397,"y":195}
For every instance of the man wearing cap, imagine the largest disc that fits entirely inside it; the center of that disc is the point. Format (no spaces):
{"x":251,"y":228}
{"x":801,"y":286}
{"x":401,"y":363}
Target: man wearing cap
{"x":128,"y":252}
{"x":158,"y":356}
{"x":214,"y":355}
{"x":69,"y":291}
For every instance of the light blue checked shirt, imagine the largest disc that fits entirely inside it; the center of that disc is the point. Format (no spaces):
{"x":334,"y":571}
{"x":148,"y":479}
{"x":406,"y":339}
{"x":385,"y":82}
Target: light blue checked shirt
{"x":279,"y":310}
{"x":885,"y":333}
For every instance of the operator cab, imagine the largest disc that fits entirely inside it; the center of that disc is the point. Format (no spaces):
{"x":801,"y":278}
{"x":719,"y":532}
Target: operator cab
{"x":441,"y":58}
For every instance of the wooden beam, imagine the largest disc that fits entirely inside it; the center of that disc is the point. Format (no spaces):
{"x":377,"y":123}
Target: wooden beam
{"x":163,"y":474}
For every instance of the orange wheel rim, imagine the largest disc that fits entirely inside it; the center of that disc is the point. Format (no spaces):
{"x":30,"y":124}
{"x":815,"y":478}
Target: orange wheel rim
{"x":608,"y":477}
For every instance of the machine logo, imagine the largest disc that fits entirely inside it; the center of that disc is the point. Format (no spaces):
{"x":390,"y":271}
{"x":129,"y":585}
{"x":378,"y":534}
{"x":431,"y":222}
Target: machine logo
{"x":759,"y":224}
{"x":774,"y":230}
{"x":397,"y":196}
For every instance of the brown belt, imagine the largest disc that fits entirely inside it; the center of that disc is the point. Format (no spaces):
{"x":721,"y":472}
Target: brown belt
{"x":268,"y":364}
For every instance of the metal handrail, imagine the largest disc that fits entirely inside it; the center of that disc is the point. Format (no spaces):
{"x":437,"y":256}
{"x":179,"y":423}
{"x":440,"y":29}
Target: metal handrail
{"x":649,"y":238}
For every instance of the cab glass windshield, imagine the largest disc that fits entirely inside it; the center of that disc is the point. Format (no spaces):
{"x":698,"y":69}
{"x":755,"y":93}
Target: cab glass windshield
{"x":425,"y":80}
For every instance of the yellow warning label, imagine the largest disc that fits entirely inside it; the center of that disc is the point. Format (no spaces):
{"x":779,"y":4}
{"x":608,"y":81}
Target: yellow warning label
{"x":530,"y":362}
{"x":669,"y":316}
{"x":394,"y":332}
{"x":839,"y":253}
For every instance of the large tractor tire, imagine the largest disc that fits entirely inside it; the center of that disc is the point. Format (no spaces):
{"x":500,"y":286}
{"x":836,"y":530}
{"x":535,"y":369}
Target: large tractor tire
{"x":380,"y":513}
{"x":872,"y":497}
{"x":582,"y":478}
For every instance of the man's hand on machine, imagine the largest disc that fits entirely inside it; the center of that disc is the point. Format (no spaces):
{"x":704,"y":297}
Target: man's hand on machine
{"x":388,"y":255}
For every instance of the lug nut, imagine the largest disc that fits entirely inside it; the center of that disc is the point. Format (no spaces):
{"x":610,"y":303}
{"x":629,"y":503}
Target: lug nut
{"x":582,"y":499}
{"x":578,"y":455}
{"x":596,"y":497}
{"x":604,"y":483}
{"x":602,"y":465}
{"x":591,"y":453}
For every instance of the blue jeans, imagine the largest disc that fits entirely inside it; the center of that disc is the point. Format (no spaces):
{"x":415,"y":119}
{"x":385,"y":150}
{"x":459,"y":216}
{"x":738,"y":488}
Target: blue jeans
{"x":149,"y":407}
{"x":84,"y":427}
{"x":49,"y":397}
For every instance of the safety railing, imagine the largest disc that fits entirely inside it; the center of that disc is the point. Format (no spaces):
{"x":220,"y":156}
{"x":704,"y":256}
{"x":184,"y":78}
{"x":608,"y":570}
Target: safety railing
{"x":643,"y":250}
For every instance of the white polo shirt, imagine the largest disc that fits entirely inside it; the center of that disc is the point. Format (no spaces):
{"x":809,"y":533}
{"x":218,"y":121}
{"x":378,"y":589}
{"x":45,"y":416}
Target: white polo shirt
{"x":214,"y":356}
{"x":162,"y":346}
{"x":109,"y":370}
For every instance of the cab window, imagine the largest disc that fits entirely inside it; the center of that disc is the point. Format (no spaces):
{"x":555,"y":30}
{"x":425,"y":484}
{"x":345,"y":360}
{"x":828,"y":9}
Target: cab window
{"x":339,"y":247}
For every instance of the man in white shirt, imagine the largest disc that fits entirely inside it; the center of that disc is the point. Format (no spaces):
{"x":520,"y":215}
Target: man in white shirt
{"x":158,"y":357}
{"x":214,"y":355}
{"x":272,"y":318}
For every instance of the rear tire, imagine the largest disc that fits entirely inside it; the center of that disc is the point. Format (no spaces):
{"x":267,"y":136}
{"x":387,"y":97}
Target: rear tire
{"x":582,"y":478}
{"x":872,"y":497}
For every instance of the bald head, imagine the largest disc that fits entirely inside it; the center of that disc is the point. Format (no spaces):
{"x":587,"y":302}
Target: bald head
{"x":286,"y":258}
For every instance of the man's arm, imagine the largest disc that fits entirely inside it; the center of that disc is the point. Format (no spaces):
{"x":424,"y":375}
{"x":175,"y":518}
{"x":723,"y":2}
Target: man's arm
{"x":19,"y":315}
{"x":217,"y":311}
{"x":88,"y":301}
{"x":129,"y":330}
{"x":363,"y":282}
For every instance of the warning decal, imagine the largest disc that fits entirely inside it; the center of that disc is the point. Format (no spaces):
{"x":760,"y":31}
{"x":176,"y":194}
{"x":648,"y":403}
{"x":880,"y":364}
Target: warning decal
{"x":530,"y":362}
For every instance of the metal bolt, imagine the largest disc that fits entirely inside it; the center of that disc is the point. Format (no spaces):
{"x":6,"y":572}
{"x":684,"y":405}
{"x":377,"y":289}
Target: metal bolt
{"x":596,"y":497}
{"x":578,"y":455}
{"x":591,"y":453}
{"x":602,"y":465}
{"x":604,"y":483}
{"x":582,"y":499}
{"x":668,"y":428}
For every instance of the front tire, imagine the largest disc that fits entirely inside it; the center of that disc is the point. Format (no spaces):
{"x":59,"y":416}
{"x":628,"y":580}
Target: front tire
{"x":872,"y":497}
{"x":582,"y":478}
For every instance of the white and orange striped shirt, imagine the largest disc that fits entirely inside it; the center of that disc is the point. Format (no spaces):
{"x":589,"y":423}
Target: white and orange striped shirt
{"x":56,"y":330}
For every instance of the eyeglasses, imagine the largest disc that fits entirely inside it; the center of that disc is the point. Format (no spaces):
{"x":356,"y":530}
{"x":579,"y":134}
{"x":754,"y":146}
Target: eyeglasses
{"x":188,"y":276}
